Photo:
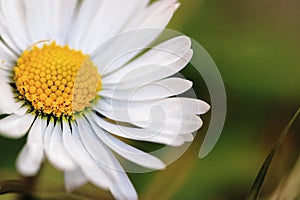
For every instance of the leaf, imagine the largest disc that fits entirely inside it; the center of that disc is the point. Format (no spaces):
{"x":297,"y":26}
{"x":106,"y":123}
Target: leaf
{"x":289,"y":188}
{"x":258,"y":183}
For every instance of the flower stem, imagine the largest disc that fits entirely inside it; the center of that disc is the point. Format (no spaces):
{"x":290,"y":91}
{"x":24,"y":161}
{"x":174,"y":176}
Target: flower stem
{"x":30,"y":183}
{"x":12,"y":186}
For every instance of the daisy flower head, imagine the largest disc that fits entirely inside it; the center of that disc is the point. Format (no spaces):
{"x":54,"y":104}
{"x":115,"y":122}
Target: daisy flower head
{"x":70,"y":81}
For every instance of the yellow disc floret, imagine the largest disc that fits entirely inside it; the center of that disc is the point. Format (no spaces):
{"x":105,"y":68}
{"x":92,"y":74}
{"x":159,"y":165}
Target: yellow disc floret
{"x":57,"y":80}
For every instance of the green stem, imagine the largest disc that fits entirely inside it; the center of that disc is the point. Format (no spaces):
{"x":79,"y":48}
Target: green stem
{"x":258,"y":183}
{"x":13,"y":186}
{"x":30,"y":183}
{"x":24,"y":187}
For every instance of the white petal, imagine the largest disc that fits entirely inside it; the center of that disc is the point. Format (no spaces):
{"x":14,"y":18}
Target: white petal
{"x":96,"y":172}
{"x":47,"y":135}
{"x":106,"y":19}
{"x":7,"y":57}
{"x":136,"y":75}
{"x":135,"y":155}
{"x":15,"y":126}
{"x":8,"y":103}
{"x":168,"y":125}
{"x":133,"y":112}
{"x":162,"y":121}
{"x":122,"y":188}
{"x":29,"y":160}
{"x":74,"y":179}
{"x":177,"y":5}
{"x":5,"y":35}
{"x":47,"y":139}
{"x":117,"y":51}
{"x":120,"y":185}
{"x":80,"y":155}
{"x":49,"y":19}
{"x":128,"y":45}
{"x":166,"y":52}
{"x":56,"y":152}
{"x":12,"y":25}
{"x":119,"y":113}
{"x":181,"y":106}
{"x":36,"y":19}
{"x":157,"y":15}
{"x":139,"y":134}
{"x":173,"y":115}
{"x":93,"y":145}
{"x":156,"y":90}
{"x":32,"y":154}
{"x":188,"y":137}
{"x":61,"y":16}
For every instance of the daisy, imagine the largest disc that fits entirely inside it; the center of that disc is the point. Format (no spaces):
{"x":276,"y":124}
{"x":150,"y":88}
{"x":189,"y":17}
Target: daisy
{"x":76,"y":90}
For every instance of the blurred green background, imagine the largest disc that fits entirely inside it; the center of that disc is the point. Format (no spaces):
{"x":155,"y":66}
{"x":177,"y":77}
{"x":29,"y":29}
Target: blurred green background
{"x":256,"y":45}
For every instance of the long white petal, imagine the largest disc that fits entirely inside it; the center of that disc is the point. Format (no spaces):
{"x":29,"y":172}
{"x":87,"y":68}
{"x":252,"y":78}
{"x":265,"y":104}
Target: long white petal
{"x":15,"y":126}
{"x":161,"y":121}
{"x":129,"y":44}
{"x":104,"y":22}
{"x":51,"y":20}
{"x":7,"y":57}
{"x":144,"y":111}
{"x":188,"y":137}
{"x":82,"y":158}
{"x":12,"y":24}
{"x":60,"y":14}
{"x":173,"y":114}
{"x":74,"y":179}
{"x":181,"y":106}
{"x":120,"y":113}
{"x":155,"y":90}
{"x":195,"y":106}
{"x":8,"y":103}
{"x":137,"y":75}
{"x":95,"y":147}
{"x":166,"y":124}
{"x":32,"y":154}
{"x":29,"y":160}
{"x":135,"y":155}
{"x":120,"y":185}
{"x":47,"y":136}
{"x":139,"y":134}
{"x":36,"y":19}
{"x":156,"y":15}
{"x":148,"y":25}
{"x":56,"y":152}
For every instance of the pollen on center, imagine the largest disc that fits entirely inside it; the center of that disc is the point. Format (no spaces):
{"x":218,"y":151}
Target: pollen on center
{"x":57,"y":80}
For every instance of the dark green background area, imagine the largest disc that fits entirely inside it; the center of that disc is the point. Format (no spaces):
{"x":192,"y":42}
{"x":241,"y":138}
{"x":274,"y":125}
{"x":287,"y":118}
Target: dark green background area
{"x":256,"y":46}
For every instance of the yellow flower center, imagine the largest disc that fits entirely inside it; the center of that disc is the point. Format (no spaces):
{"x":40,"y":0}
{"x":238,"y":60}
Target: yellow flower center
{"x":57,"y":80}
